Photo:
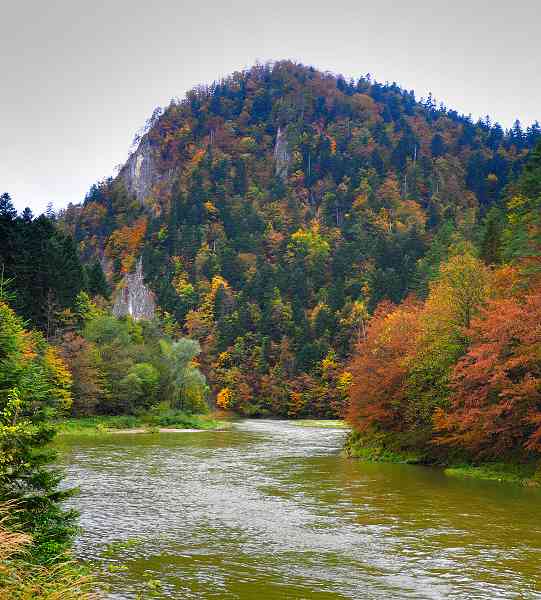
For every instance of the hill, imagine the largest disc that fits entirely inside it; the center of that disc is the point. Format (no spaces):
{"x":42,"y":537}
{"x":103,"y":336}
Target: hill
{"x":275,"y":209}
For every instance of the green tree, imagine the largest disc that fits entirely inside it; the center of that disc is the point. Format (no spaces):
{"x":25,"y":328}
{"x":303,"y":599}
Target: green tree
{"x":34,"y":389}
{"x":7,"y":210}
{"x":96,"y":281}
{"x":491,"y":241}
{"x":138,"y":389}
{"x":186,"y":384}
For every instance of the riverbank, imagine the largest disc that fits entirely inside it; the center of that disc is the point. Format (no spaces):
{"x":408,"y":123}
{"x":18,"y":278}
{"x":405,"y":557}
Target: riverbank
{"x":323,"y":423}
{"x":526,"y":474}
{"x":382,"y":449}
{"x":166,"y":422}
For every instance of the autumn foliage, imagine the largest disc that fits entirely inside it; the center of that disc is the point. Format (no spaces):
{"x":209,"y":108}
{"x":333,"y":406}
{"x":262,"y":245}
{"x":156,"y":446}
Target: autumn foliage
{"x":125,"y":243}
{"x":495,"y":406}
{"x":461,"y":370}
{"x":380,"y":368}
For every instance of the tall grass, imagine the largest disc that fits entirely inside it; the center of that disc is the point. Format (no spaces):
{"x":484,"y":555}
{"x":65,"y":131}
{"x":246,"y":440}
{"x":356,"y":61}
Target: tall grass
{"x":22,"y":579}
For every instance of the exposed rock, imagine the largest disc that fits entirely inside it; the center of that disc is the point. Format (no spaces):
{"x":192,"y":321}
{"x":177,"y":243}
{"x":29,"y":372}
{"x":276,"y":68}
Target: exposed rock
{"x":133,"y":297}
{"x":139,"y":173}
{"x":282,"y":156}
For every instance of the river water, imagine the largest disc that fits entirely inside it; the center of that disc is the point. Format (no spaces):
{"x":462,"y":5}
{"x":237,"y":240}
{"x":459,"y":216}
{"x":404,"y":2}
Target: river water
{"x":271,"y":510}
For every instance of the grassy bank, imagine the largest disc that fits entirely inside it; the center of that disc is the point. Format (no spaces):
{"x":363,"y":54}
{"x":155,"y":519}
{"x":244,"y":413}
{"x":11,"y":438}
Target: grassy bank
{"x":385,"y":448}
{"x":150,"y":422}
{"x":21,"y":578}
{"x":381,"y":448}
{"x":527,"y":474}
{"x":325,"y":423}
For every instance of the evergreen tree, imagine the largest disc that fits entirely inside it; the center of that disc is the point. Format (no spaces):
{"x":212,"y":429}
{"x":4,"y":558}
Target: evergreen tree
{"x":7,"y":210}
{"x":437,"y":146}
{"x":96,"y":281}
{"x":491,"y":242}
{"x":27,"y":215}
{"x":34,"y":389}
{"x":43,"y":263}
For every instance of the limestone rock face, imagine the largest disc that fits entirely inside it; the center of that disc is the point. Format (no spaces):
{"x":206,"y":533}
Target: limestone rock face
{"x":282,"y":156}
{"x":134,"y":298}
{"x":139,"y":172}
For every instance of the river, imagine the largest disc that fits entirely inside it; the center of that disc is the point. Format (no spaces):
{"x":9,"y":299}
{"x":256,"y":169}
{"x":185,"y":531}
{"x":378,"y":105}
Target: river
{"x":271,"y":510}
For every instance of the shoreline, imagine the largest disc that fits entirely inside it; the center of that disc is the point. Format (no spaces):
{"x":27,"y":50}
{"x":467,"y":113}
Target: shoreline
{"x":131,"y":424}
{"x":525,"y":474}
{"x":138,"y":430}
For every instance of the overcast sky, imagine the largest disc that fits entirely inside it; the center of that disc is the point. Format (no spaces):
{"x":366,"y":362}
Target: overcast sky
{"x":79,"y":78}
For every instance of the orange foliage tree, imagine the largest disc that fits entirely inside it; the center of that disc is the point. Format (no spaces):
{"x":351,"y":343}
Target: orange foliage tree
{"x":379,"y":370}
{"x":496,"y":405}
{"x":124,"y":244}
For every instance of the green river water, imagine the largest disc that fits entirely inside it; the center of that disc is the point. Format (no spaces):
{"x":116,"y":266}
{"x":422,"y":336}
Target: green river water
{"x":271,"y":510}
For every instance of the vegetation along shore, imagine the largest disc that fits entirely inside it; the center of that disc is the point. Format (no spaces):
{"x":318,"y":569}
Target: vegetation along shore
{"x":282,"y":244}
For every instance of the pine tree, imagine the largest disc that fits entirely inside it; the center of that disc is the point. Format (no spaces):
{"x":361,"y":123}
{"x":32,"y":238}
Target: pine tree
{"x":7,"y":210}
{"x":34,"y":388}
{"x":96,"y":281}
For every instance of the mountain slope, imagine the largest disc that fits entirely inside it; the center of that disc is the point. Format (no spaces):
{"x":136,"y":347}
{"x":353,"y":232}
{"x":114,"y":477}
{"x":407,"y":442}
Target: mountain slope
{"x":276,"y":208}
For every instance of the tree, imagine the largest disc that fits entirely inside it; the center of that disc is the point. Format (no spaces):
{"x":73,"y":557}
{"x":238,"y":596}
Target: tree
{"x":138,"y":389}
{"x":7,"y":210}
{"x":45,"y":267}
{"x":186,"y":384}
{"x":85,"y":364}
{"x":97,"y":283}
{"x":437,"y":146}
{"x":522,"y":232}
{"x":27,"y":216}
{"x":495,"y":408}
{"x":379,"y":369}
{"x":428,"y":266}
{"x":462,"y":287}
{"x":402,"y":369}
{"x":34,"y":389}
{"x":491,"y":242}
{"x":455,"y":297}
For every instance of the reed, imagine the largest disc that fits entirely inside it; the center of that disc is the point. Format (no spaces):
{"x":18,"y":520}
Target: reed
{"x":22,"y":579}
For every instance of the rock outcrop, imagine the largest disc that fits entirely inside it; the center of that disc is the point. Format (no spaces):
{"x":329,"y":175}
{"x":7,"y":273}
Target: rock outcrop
{"x":134,"y":298}
{"x":139,"y":172}
{"x":282,"y":156}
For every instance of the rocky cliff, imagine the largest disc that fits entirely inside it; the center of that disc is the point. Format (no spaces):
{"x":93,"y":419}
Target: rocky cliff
{"x":139,"y":173}
{"x":133,"y":297}
{"x":282,"y":156}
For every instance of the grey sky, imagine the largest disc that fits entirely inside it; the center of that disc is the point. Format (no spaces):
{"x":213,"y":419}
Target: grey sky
{"x":79,"y":78}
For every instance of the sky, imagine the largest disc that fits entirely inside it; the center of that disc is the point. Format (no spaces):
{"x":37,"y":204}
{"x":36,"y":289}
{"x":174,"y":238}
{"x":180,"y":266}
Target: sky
{"x":80,"y":78}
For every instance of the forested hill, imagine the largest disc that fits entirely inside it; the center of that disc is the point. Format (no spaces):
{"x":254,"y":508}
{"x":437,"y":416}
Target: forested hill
{"x":275,"y":209}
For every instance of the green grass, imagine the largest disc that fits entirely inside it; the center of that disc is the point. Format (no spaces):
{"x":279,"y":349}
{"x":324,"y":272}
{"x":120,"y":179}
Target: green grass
{"x":325,"y":423}
{"x":380,"y":454}
{"x":180,"y":420}
{"x":373,"y":448}
{"x":169,"y":419}
{"x":98,"y":424}
{"x":395,"y":448}
{"x":522,"y":473}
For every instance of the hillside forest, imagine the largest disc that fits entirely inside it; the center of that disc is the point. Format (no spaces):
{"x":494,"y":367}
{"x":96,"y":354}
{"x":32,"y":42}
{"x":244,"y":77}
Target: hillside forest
{"x":317,"y":247}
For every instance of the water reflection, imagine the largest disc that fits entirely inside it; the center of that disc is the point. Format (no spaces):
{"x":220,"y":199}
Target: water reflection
{"x":272,"y":510}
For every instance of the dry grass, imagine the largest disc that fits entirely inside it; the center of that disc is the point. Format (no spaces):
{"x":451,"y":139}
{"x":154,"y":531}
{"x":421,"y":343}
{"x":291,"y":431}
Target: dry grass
{"x":20,"y":579}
